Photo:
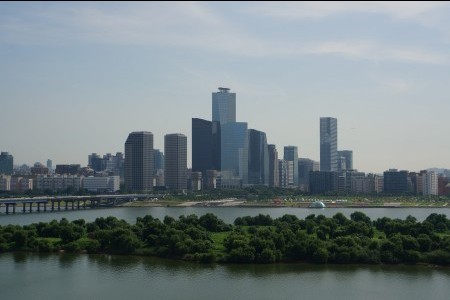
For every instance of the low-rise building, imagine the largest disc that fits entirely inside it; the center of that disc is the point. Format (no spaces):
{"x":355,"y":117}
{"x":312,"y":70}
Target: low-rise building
{"x":108,"y":184}
{"x":5,"y":183}
{"x":58,"y":182}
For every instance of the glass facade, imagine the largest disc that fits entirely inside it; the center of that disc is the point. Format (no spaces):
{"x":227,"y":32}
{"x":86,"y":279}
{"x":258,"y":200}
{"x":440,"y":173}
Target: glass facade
{"x":274,"y":179}
{"x":202,"y":146}
{"x":234,"y":153}
{"x":224,"y":106}
{"x":291,"y":154}
{"x":328,"y":144}
{"x":6,"y":163}
{"x":258,"y":158}
{"x":345,"y":158}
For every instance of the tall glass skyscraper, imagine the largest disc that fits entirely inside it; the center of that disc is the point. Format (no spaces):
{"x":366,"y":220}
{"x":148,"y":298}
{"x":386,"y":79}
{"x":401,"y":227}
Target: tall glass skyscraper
{"x":6,"y":163}
{"x":234,"y":153}
{"x":224,"y":106}
{"x":139,"y":162}
{"x":291,"y":154}
{"x":274,"y":179}
{"x":175,"y":153}
{"x":158,"y":160}
{"x":328,"y":144}
{"x":258,"y":158}
{"x":202,"y":146}
{"x":345,"y":158}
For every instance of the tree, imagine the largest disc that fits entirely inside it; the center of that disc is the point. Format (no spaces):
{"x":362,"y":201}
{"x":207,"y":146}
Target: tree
{"x":320,"y":256}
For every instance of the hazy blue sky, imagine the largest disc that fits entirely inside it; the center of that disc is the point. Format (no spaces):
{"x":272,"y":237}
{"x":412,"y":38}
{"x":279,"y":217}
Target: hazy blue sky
{"x":76,"y":78}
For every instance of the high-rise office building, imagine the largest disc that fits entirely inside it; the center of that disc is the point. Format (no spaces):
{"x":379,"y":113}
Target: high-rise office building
{"x":224,"y":106}
{"x":50,"y":165}
{"x":139,"y":162}
{"x":202,"y":146}
{"x":324,"y":182}
{"x":430,"y":183}
{"x":223,"y":112}
{"x":328,"y":144}
{"x":158,"y":160}
{"x":286,"y":173}
{"x":95,"y":162}
{"x":291,"y":154}
{"x":395,"y":182}
{"x":6,"y":163}
{"x":305,"y":166}
{"x":175,"y":151}
{"x":216,"y":146}
{"x":234,"y":154}
{"x":274,"y":177}
{"x":258,"y":158}
{"x":345,"y":160}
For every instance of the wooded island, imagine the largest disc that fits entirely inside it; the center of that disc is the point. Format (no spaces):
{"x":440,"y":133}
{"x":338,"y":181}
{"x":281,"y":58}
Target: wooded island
{"x":259,"y":239}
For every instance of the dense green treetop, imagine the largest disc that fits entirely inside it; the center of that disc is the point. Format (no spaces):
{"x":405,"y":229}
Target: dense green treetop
{"x":257,"y":239}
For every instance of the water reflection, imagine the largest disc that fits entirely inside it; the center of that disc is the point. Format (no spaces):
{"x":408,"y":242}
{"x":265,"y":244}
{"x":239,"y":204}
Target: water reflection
{"x":20,"y":257}
{"x":66,"y":260}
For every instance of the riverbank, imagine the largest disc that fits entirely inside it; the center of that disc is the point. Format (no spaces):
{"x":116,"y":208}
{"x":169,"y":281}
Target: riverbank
{"x":272,"y":204}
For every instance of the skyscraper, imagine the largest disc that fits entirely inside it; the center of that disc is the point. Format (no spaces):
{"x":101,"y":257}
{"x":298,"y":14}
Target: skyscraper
{"x":158,"y":160}
{"x":328,"y":144}
{"x":224,"y":106}
{"x":305,"y":166}
{"x":216,"y":146}
{"x":139,"y":162}
{"x":395,"y":182}
{"x":6,"y":163}
{"x":202,"y":146}
{"x":50,"y":165}
{"x":158,"y":168}
{"x":291,"y":154}
{"x":175,"y":150}
{"x":345,"y":158}
{"x":258,"y":158}
{"x":234,"y":154}
{"x":286,"y":173}
{"x":274,"y":179}
{"x":430,"y":183}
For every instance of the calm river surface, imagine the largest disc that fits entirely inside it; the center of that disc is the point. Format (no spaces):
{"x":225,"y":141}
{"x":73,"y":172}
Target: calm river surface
{"x":67,"y":276}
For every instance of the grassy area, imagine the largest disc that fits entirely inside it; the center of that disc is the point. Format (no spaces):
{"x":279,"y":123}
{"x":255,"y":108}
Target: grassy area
{"x":218,"y":239}
{"x":51,"y":240}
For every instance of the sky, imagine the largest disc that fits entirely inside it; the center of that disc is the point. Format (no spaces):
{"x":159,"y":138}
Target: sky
{"x":77,"y":78}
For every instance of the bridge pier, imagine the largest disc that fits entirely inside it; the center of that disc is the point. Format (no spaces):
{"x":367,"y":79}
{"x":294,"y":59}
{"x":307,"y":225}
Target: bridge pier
{"x":23,"y":208}
{"x":84,"y":204}
{"x":59,"y":205}
{"x":53,"y":205}
{"x":78,"y":204}
{"x":31,"y":204}
{"x":38,"y":206}
{"x":66,"y":204}
{"x":72,"y":204}
{"x":7,"y":207}
{"x":45,"y":206}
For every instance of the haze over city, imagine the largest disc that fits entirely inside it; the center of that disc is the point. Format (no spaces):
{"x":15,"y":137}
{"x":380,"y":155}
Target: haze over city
{"x":77,"y":78}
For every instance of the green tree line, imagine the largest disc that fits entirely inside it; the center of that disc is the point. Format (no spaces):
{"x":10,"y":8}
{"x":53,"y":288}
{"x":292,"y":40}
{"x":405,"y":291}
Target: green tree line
{"x":258,"y":239}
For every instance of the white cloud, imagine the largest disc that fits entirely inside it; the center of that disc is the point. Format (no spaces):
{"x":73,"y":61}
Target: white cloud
{"x":321,"y":9}
{"x":198,"y":26}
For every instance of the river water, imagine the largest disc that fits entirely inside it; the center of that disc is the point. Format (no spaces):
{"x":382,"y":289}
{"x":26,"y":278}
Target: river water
{"x":68,"y":276}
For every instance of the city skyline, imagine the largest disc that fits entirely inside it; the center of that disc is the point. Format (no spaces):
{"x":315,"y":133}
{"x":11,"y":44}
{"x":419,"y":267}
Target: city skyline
{"x":78,"y":78}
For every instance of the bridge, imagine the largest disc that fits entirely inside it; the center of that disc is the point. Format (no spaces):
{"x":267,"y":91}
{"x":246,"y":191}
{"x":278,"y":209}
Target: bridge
{"x":70,"y":202}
